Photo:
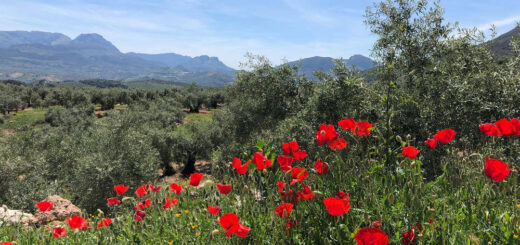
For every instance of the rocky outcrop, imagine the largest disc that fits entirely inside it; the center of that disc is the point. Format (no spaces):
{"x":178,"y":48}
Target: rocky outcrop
{"x":62,"y":209}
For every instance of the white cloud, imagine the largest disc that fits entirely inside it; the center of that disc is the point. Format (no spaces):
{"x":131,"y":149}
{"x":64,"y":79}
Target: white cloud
{"x":499,"y":23}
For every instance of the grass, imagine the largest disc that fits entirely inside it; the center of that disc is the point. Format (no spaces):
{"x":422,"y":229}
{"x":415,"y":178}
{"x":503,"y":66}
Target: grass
{"x":24,"y":119}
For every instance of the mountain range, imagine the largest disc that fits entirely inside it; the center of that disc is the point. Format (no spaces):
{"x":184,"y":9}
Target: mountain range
{"x":33,"y":55}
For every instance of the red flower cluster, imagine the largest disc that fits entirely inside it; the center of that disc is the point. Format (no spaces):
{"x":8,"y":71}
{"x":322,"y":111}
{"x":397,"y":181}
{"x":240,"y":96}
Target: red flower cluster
{"x":502,"y":127}
{"x":444,"y":136}
{"x":372,"y":236}
{"x":143,"y":204}
{"x":326,"y":134}
{"x":45,"y":206}
{"x":360,"y":128}
{"x":104,"y":222}
{"x":496,"y":170}
{"x":230,"y":223}
{"x":239,"y":168}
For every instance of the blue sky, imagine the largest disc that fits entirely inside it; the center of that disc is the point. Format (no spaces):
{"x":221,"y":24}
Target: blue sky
{"x":280,"y":30}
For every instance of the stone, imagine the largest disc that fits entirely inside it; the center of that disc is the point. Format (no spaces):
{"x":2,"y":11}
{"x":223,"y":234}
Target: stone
{"x":62,"y":209}
{"x":14,"y":216}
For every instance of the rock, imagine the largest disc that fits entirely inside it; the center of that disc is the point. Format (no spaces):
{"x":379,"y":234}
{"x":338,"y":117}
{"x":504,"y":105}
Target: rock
{"x":62,"y":209}
{"x":14,"y":216}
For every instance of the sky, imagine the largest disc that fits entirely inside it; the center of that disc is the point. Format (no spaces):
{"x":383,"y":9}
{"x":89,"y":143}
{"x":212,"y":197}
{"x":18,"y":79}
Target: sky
{"x":282,"y":30}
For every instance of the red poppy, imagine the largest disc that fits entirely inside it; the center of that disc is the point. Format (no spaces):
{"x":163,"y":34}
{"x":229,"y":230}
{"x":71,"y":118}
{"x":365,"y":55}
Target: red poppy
{"x":261,"y":161}
{"x":284,"y":210}
{"x":243,"y":230}
{"x":300,"y":155}
{"x":229,"y":222}
{"x":363,"y":128}
{"x":139,"y":215}
{"x":176,"y":188}
{"x":496,"y":170}
{"x":141,"y":191}
{"x":409,"y":238}
{"x":290,"y":147}
{"x":143,"y":204}
{"x":214,"y":210}
{"x":58,"y":232}
{"x":347,"y":124}
{"x":281,"y":186}
{"x":338,"y":144}
{"x":289,"y":196}
{"x":445,"y":136}
{"x":326,"y":134}
{"x":169,"y":202}
{"x":432,"y":143}
{"x":321,"y":167}
{"x":45,"y":206}
{"x":290,"y":224}
{"x":305,"y":193}
{"x":506,"y":127}
{"x":104,"y":222}
{"x":516,"y":126}
{"x":410,"y":152}
{"x":154,"y":188}
{"x":195,"y":179}
{"x":336,"y":206}
{"x":6,"y":243}
{"x":121,"y":189}
{"x":298,"y":175}
{"x":417,"y":226}
{"x":285,"y":162}
{"x":372,"y":236}
{"x":113,"y":201}
{"x":489,"y":129}
{"x":224,"y":189}
{"x":376,"y":224}
{"x":239,"y":168}
{"x":78,"y":222}
{"x":342,"y":195}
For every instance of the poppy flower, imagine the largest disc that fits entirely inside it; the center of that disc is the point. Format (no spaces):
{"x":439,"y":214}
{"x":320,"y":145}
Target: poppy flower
{"x":284,"y":210}
{"x":229,"y":222}
{"x":338,"y":144}
{"x":78,"y":222}
{"x":6,"y":243}
{"x":409,"y":238}
{"x":154,"y":188}
{"x":290,"y":224}
{"x":261,"y":161}
{"x":58,"y":232}
{"x":363,"y":128}
{"x":506,"y":127}
{"x":243,"y":230}
{"x":496,"y":170}
{"x":432,"y":143}
{"x":289,"y":196}
{"x":45,"y":206}
{"x":224,"y":189}
{"x":410,"y":152}
{"x":298,"y":175}
{"x":342,"y":195}
{"x":347,"y":124}
{"x":516,"y":126}
{"x":195,"y":179}
{"x":489,"y":129}
{"x":143,"y":204}
{"x":139,"y":215}
{"x":141,"y":191}
{"x":445,"y":136}
{"x":326,"y":134}
{"x":213,"y":210}
{"x":300,"y":155}
{"x":373,"y":236}
{"x":336,"y":206}
{"x":281,"y":186}
{"x":285,"y":162}
{"x":417,"y":226}
{"x":113,"y":201}
{"x":321,"y":167}
{"x":305,"y":193}
{"x":121,"y":189}
{"x":176,"y":188}
{"x":239,"y":168}
{"x":376,"y":224}
{"x":104,"y":222}
{"x":169,"y":202}
{"x":290,"y":147}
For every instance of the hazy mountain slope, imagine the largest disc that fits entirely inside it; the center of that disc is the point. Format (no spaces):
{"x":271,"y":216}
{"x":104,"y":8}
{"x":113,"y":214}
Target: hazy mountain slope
{"x":310,"y":65}
{"x":501,"y":45}
{"x":10,"y":38}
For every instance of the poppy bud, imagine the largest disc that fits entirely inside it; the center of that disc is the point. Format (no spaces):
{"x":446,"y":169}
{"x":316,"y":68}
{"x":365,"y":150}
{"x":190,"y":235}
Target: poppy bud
{"x":317,"y":192}
{"x":100,"y":212}
{"x":5,"y":208}
{"x":246,"y":188}
{"x":409,"y":137}
{"x":264,"y":172}
{"x":399,"y":139}
{"x":215,"y":232}
{"x":127,"y":199}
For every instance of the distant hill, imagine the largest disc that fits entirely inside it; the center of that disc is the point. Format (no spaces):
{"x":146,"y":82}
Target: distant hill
{"x":35,"y":56}
{"x":310,"y":65}
{"x":501,"y":45}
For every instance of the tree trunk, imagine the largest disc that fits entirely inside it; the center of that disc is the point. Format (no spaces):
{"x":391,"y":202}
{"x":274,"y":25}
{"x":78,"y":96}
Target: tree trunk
{"x":168,"y":170}
{"x":190,"y":165}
